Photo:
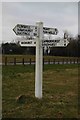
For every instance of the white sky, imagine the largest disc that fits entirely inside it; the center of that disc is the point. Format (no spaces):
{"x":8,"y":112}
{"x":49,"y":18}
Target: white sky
{"x":62,"y":15}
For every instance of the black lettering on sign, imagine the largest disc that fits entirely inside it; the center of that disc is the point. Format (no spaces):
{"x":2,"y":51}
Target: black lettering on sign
{"x":45,"y":28}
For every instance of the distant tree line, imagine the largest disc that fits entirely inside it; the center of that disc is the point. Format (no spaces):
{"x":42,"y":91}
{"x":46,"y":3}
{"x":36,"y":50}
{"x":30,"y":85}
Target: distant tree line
{"x":72,"y":50}
{"x":13,"y":48}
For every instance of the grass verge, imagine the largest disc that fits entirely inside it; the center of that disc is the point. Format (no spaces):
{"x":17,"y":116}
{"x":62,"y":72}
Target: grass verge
{"x":60,"y":92}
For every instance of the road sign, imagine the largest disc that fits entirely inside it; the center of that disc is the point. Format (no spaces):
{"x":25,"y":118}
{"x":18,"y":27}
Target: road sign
{"x":28,"y":43}
{"x":25,"y":30}
{"x":48,"y":43}
{"x":55,"y":43}
{"x":29,"y":30}
{"x":52,"y":31}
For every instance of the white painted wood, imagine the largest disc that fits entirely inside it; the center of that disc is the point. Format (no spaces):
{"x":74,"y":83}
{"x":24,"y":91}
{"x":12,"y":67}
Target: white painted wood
{"x":39,"y":61}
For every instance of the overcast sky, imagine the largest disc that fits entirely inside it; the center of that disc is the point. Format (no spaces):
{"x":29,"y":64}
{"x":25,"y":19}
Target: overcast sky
{"x":62,"y":15}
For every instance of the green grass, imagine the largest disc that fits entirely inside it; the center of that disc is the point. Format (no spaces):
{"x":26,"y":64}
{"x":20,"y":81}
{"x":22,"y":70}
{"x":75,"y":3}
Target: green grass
{"x":60,"y":92}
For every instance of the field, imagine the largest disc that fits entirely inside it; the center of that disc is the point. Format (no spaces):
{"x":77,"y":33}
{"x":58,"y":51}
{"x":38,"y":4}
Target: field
{"x":60,"y":92}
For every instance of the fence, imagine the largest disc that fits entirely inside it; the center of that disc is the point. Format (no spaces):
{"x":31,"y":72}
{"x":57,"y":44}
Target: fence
{"x":48,"y":61}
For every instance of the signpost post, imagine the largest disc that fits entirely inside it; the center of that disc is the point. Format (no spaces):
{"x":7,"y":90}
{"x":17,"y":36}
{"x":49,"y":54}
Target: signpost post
{"x":39,"y":42}
{"x":39,"y":60}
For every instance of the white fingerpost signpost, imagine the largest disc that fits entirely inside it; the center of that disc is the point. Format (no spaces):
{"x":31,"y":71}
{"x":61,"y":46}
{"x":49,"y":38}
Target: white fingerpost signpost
{"x":39,"y":42}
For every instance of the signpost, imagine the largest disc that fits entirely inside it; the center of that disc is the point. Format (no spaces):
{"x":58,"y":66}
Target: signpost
{"x":39,"y":43}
